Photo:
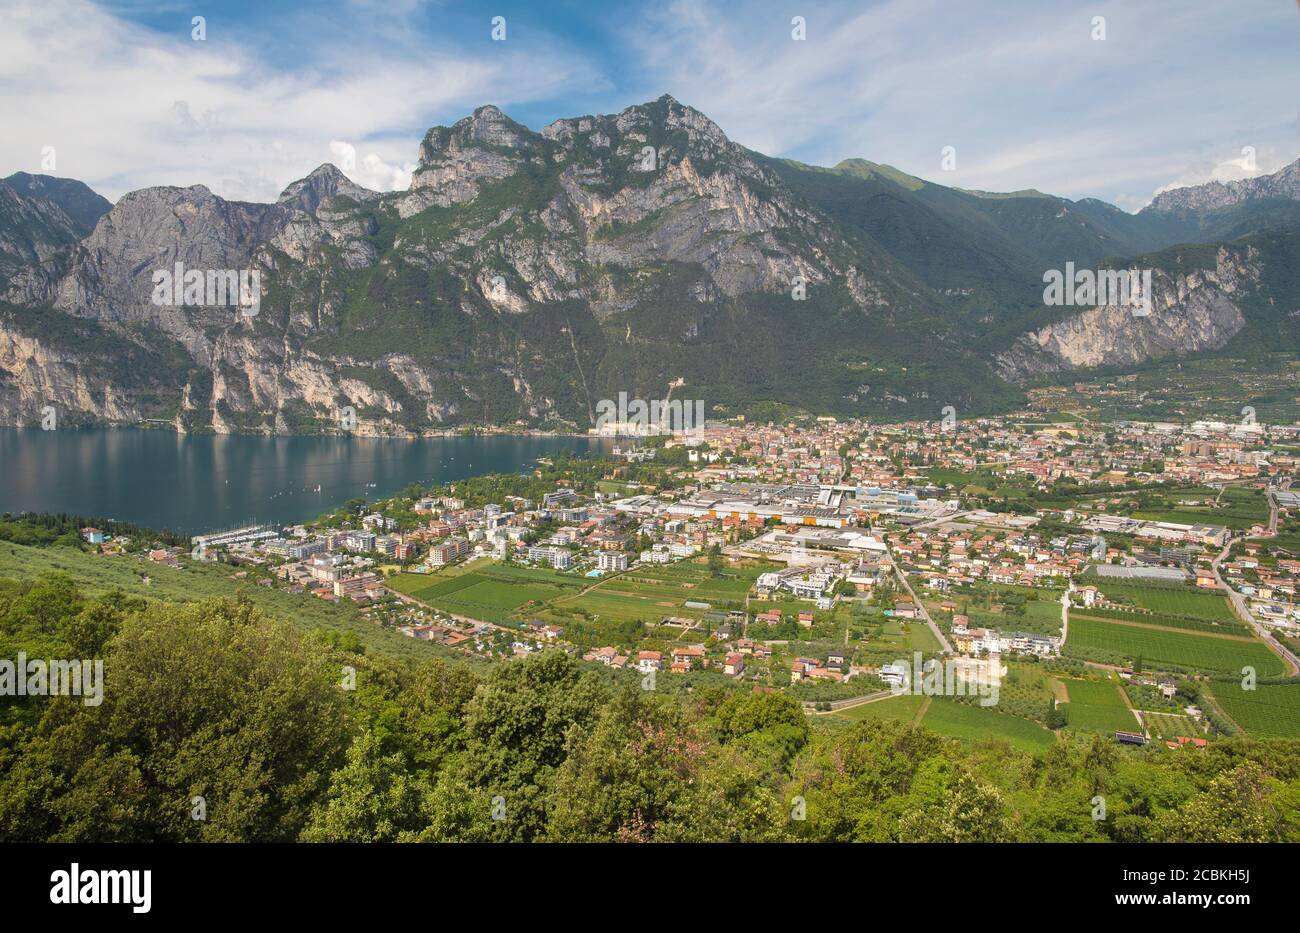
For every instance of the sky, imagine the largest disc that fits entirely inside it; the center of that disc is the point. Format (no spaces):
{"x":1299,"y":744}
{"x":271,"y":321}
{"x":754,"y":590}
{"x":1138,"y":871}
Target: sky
{"x":1027,"y":94}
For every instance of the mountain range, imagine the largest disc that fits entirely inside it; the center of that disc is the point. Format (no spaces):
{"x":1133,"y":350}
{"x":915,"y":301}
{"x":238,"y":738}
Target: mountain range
{"x":524,"y":276}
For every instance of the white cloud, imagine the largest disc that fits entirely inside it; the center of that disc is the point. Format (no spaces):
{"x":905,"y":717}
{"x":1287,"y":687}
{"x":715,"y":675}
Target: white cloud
{"x":126,"y":107}
{"x":345,"y":155}
{"x":1020,"y":88}
{"x":1247,"y":165}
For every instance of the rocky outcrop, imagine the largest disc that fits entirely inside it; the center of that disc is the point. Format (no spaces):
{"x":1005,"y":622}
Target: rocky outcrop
{"x":32,"y":230}
{"x":1191,"y":312}
{"x":1283,"y":184}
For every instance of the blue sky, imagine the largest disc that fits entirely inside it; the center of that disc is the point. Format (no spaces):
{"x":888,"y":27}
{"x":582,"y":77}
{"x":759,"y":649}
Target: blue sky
{"x":1020,"y":88}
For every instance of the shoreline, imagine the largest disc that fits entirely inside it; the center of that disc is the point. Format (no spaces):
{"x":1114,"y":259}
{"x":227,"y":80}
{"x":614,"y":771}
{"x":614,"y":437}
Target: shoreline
{"x":197,"y":484}
{"x":169,"y":427}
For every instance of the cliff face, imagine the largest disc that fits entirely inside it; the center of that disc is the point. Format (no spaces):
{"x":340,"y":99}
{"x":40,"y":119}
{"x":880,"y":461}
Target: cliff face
{"x":1283,"y":184}
{"x":32,"y":230}
{"x":1191,"y":311}
{"x":522,"y":277}
{"x":526,"y":275}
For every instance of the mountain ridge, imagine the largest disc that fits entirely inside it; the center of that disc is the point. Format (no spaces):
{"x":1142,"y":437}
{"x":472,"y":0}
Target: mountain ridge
{"x":524,"y":275}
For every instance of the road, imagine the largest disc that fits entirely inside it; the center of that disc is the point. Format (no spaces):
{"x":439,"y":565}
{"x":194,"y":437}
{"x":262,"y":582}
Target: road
{"x":837,"y":705}
{"x":1273,"y":507}
{"x":1065,"y":615}
{"x":942,"y":520}
{"x":943,"y":639}
{"x":1243,"y":611}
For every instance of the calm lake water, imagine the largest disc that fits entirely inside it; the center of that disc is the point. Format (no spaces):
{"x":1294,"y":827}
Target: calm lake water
{"x":207,"y":482}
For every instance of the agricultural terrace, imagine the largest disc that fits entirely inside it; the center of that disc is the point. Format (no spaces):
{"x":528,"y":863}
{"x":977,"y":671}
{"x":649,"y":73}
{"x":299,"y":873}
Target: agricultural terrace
{"x":1112,"y":642}
{"x":1167,"y":600}
{"x":1269,"y":709}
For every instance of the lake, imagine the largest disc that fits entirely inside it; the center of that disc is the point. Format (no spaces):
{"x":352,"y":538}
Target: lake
{"x":197,"y":483}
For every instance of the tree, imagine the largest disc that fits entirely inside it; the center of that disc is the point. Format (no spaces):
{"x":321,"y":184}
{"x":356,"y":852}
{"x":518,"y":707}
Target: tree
{"x":206,"y":700}
{"x":1056,"y":717}
{"x":1237,"y":806}
{"x":770,"y":725}
{"x":372,"y":798}
{"x":517,"y":727}
{"x":627,"y":775}
{"x":971,"y":811}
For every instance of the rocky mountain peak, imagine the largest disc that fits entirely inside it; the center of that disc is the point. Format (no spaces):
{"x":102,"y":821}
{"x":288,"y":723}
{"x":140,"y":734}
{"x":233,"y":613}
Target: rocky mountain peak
{"x":1283,"y":184}
{"x":486,"y":126}
{"x":675,"y":115}
{"x":32,"y":229}
{"x":74,"y":198}
{"x":323,"y":183}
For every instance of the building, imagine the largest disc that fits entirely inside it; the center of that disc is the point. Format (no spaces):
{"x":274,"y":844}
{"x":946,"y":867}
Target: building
{"x":684,"y":659}
{"x":357,"y":585}
{"x":558,"y":498}
{"x":894,"y":674}
{"x":363,"y":541}
{"x":447,"y":551}
{"x":612,"y":561}
{"x":557,"y":557}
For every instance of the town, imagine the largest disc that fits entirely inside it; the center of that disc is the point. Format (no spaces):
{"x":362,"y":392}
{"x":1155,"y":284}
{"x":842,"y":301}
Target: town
{"x":818,"y":557}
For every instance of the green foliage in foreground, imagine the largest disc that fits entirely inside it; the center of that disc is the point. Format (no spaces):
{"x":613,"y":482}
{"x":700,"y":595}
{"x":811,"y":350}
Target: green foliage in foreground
{"x":214,"y":699}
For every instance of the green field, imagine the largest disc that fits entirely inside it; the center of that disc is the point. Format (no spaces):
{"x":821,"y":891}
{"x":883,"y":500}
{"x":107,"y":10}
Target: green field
{"x":1269,"y":709}
{"x":1097,"y":639}
{"x":490,"y":593}
{"x":1004,"y":607}
{"x":1046,"y":612}
{"x":625,"y":489}
{"x":974,"y":723}
{"x":902,"y":708}
{"x":1188,"y":516}
{"x":647,"y":594}
{"x":1097,"y":706}
{"x":504,"y":593}
{"x":957,"y":720}
{"x":919,"y":637}
{"x":1175,"y":601}
{"x":1236,"y":507}
{"x":1165,"y":620}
